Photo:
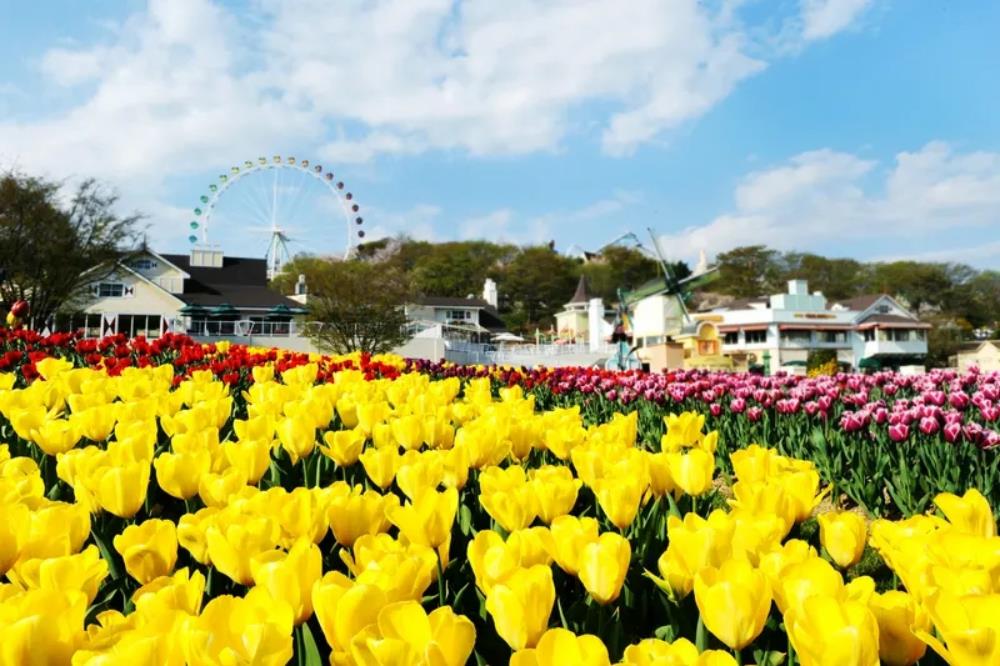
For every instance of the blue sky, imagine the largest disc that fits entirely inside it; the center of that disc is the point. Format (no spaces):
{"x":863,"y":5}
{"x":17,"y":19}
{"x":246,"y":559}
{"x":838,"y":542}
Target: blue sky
{"x":859,"y":128}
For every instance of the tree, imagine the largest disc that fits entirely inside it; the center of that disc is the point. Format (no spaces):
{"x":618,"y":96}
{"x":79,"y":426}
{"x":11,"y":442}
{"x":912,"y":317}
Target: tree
{"x":49,"y":250}
{"x":838,"y":279}
{"x":359,"y":306}
{"x":536,"y":284}
{"x":618,"y":267}
{"x":458,"y":268}
{"x":749,"y":271}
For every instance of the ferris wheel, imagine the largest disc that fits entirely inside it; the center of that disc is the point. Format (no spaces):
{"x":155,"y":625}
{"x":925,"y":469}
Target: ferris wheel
{"x":290,"y":201}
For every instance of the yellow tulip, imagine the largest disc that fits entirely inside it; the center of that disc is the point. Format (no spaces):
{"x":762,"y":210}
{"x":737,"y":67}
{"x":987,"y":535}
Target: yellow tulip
{"x":491,"y":560}
{"x":253,"y":630}
{"x":121,"y":489}
{"x":814,"y":576}
{"x":427,"y":520}
{"x":682,"y":652}
{"x":178,"y":474}
{"x":899,"y":616}
{"x":843,"y":535}
{"x":218,"y":489}
{"x":804,"y":493}
{"x":514,"y":508}
{"x":683,"y":430}
{"x":290,"y":576}
{"x":83,"y":572}
{"x":191,"y":532}
{"x":182,"y":592}
{"x":42,"y":626}
{"x":381,"y":464}
{"x":355,"y":513}
{"x":967,"y":627}
{"x":301,"y":513}
{"x":251,"y":456}
{"x":149,"y":549}
{"x":56,"y":529}
{"x":232,"y":543}
{"x":828,"y":632}
{"x":555,"y":490}
{"x":561,"y":646}
{"x":344,"y":608}
{"x":569,"y":536}
{"x":603,"y":565}
{"x":969,"y":513}
{"x":521,"y":605}
{"x":13,"y":533}
{"x":692,"y":472}
{"x":343,"y":446}
{"x":619,"y":497}
{"x":56,"y":436}
{"x":734,"y":601}
{"x":693,"y":544}
{"x":660,"y":481}
{"x":408,"y":431}
{"x":297,"y":437}
{"x":406,"y":634}
{"x":94,"y":423}
{"x":418,"y":472}
{"x":531,"y":546}
{"x":779,"y":559}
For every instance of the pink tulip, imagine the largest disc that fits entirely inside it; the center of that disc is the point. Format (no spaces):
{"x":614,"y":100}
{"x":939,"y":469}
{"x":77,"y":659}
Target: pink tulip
{"x":899,"y":432}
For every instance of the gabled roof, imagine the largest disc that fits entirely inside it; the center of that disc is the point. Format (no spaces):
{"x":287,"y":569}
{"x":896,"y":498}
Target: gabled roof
{"x":859,"y":303}
{"x":163,"y":258}
{"x":241,"y":282}
{"x":581,"y":295}
{"x":451,"y":302}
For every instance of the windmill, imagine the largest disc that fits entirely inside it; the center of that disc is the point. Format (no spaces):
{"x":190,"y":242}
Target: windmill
{"x":667,"y":284}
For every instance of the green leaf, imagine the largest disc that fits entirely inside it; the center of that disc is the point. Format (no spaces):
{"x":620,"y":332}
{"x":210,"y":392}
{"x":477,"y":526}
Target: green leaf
{"x":666,"y":633}
{"x":310,"y":653}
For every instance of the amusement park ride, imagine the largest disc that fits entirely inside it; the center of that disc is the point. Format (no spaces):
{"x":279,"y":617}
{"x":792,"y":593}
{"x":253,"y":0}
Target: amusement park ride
{"x":273,"y":193}
{"x":679,"y":290}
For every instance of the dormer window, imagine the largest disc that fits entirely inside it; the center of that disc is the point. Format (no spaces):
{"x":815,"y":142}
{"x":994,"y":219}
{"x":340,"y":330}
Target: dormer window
{"x":883,"y":309}
{"x":143,"y":264}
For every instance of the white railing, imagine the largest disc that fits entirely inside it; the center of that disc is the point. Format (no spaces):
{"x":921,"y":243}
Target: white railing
{"x":211,"y":328}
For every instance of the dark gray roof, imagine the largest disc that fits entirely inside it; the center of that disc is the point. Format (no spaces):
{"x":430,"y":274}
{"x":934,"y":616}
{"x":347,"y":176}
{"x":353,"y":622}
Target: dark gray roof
{"x":452,"y":302}
{"x":581,"y":295}
{"x":859,"y":303}
{"x":241,"y":282}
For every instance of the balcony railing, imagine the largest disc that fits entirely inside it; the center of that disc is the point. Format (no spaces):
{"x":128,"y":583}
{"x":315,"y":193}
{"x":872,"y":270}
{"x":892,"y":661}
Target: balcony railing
{"x":210,"y":328}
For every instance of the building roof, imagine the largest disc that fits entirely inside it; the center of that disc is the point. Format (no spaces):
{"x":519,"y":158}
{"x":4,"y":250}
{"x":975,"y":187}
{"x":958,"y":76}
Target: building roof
{"x":858,"y":303}
{"x":241,"y":282}
{"x":581,"y":295}
{"x":452,"y":302}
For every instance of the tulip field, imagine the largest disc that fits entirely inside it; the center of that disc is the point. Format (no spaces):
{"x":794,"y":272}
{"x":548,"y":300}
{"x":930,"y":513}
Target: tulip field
{"x":171,"y":502}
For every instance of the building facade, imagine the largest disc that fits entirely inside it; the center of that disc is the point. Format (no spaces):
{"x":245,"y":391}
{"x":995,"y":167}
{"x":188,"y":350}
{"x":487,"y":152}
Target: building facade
{"x":781,"y":330}
{"x":204,"y":294}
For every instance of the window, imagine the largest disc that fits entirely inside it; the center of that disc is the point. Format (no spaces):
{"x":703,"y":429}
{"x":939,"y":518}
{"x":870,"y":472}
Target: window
{"x":882,"y":309}
{"x":755,"y":337}
{"x":731,"y":338}
{"x":797,"y":337}
{"x":869,"y":334}
{"x":110,"y":290}
{"x":459,"y":314}
{"x":145,"y":325}
{"x":143,"y":264}
{"x":833,"y":337}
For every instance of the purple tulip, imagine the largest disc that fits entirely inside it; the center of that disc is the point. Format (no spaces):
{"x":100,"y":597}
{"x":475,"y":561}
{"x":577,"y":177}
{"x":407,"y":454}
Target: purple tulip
{"x":899,"y":432}
{"x":929,"y":425}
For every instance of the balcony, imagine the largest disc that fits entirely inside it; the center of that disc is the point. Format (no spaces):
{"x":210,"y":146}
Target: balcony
{"x":894,"y":347}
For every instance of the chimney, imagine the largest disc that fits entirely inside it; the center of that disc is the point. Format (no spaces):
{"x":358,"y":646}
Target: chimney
{"x":300,"y":285}
{"x":798,"y":287}
{"x":490,"y":294}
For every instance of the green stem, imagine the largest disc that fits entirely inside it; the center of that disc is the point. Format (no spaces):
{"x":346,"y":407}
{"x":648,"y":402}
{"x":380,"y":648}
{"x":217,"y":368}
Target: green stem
{"x":440,"y":581}
{"x":738,"y":655}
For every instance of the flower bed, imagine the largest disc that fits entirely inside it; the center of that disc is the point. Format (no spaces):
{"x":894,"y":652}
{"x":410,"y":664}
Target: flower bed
{"x":169,"y":502}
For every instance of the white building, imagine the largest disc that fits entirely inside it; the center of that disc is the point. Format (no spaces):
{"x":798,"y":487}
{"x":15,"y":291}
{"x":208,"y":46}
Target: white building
{"x":867,"y":331}
{"x":204,"y":294}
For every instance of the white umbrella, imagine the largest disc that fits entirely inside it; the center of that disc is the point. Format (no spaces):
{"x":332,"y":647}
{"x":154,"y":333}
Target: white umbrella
{"x":507,"y":337}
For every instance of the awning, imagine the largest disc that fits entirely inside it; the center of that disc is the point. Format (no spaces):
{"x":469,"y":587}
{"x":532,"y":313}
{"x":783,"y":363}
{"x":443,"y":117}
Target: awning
{"x":223,"y":310}
{"x":906,"y":326}
{"x":870,"y":362}
{"x":814,"y":327}
{"x":282,"y":311}
{"x":193,"y":310}
{"x":795,"y":363}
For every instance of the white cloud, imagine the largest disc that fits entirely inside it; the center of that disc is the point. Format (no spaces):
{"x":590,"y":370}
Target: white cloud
{"x":186,"y":85}
{"x":826,"y":196}
{"x":824,"y":18}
